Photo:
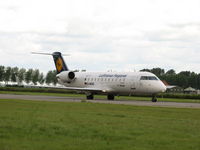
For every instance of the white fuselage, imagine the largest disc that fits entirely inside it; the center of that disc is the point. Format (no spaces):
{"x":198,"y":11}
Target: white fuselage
{"x":117,"y":83}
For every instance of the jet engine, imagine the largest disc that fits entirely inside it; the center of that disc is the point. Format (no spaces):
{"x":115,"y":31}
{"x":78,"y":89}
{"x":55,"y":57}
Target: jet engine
{"x":66,"y":76}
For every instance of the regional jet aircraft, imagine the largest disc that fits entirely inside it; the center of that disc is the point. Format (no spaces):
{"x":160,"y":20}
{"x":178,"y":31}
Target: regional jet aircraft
{"x":110,"y":83}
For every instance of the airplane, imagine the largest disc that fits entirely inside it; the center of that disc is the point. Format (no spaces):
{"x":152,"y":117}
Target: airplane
{"x":110,"y":83}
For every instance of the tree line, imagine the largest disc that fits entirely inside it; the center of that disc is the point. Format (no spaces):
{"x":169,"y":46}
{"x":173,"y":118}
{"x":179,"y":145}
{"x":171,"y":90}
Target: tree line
{"x":183,"y":79}
{"x":20,"y":75}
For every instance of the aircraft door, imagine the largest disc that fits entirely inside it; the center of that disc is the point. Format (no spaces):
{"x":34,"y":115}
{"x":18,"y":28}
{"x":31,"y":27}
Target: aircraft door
{"x":133,"y":86}
{"x":144,"y":85}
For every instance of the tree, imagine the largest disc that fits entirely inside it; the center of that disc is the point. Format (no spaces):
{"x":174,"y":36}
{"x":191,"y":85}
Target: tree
{"x":185,"y":73}
{"x":198,"y":81}
{"x":35,"y":76}
{"x":54,"y":79}
{"x":171,"y":72}
{"x":41,"y":78}
{"x":193,"y":80}
{"x":14,"y":74}
{"x":49,"y":77}
{"x":158,"y":71}
{"x":2,"y":73}
{"x":147,"y":70}
{"x":7,"y":75}
{"x":28,"y":76}
{"x":21,"y":75}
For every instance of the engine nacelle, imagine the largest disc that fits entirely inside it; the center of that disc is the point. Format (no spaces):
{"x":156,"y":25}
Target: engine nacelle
{"x":66,"y":76}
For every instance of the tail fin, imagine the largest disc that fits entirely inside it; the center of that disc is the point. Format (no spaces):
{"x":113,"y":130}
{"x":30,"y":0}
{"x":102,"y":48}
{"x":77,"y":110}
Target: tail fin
{"x":59,"y":62}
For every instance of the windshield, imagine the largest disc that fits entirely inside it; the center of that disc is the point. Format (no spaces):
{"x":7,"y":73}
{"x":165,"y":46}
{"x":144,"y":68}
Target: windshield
{"x":148,"y":78}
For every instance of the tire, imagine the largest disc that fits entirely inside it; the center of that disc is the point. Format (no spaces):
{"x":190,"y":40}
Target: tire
{"x":154,"y":100}
{"x":90,"y":97}
{"x":111,"y":97}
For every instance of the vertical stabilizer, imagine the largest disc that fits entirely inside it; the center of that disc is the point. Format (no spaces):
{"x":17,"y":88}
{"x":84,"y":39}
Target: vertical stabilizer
{"x":59,"y":62}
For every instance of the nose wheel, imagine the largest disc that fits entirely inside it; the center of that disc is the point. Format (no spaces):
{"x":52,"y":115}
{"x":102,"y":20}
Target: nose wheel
{"x":90,"y":97}
{"x":154,"y":99}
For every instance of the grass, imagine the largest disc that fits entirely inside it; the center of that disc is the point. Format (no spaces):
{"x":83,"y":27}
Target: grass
{"x":102,"y":96}
{"x":34,"y":125}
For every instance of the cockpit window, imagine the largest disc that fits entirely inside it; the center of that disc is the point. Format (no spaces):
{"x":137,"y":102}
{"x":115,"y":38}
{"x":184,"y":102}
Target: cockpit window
{"x":148,"y":78}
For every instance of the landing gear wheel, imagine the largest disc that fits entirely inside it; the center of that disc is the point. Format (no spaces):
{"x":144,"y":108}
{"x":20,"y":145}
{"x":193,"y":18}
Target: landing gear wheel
{"x":90,"y":97}
{"x":154,"y":99}
{"x":111,"y":97}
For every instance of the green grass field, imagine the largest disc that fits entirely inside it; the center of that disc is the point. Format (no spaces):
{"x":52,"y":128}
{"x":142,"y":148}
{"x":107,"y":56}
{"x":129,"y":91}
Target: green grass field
{"x":34,"y":125}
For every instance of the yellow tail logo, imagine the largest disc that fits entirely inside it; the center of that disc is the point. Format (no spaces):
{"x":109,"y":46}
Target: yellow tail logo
{"x":59,"y":64}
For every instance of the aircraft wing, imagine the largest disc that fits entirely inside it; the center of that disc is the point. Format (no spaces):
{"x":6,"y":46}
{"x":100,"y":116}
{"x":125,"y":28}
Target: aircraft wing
{"x":77,"y":89}
{"x":87,"y":89}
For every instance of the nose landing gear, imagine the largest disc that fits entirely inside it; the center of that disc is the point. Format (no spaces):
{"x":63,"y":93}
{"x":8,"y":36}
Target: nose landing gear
{"x":90,"y":97}
{"x":154,"y":99}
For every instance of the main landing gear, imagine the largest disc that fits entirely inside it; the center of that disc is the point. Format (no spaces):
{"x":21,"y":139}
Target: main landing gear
{"x":110,"y":97}
{"x":154,"y":99}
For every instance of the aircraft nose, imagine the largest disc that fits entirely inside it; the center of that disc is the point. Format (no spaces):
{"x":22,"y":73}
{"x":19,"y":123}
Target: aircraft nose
{"x":163,"y":88}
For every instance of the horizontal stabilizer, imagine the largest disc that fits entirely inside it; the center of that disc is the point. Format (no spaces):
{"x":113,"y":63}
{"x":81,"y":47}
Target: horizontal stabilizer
{"x":48,"y":54}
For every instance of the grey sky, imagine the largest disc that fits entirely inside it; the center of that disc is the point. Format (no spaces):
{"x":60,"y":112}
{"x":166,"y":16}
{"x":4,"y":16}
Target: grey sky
{"x":122,"y":35}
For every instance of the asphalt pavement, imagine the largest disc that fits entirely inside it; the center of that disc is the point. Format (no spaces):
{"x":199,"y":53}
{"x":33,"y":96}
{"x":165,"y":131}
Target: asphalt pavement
{"x":79,"y":99}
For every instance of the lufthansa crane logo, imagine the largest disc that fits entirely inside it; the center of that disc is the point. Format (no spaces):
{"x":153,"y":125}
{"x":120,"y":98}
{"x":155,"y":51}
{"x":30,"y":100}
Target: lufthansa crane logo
{"x":59,"y":64}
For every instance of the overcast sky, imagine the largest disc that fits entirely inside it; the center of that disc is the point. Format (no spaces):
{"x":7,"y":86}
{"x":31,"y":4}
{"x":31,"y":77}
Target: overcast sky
{"x":122,"y":35}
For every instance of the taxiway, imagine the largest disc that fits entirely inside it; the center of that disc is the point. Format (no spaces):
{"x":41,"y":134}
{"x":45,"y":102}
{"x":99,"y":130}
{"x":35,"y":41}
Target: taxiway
{"x":79,"y":99}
